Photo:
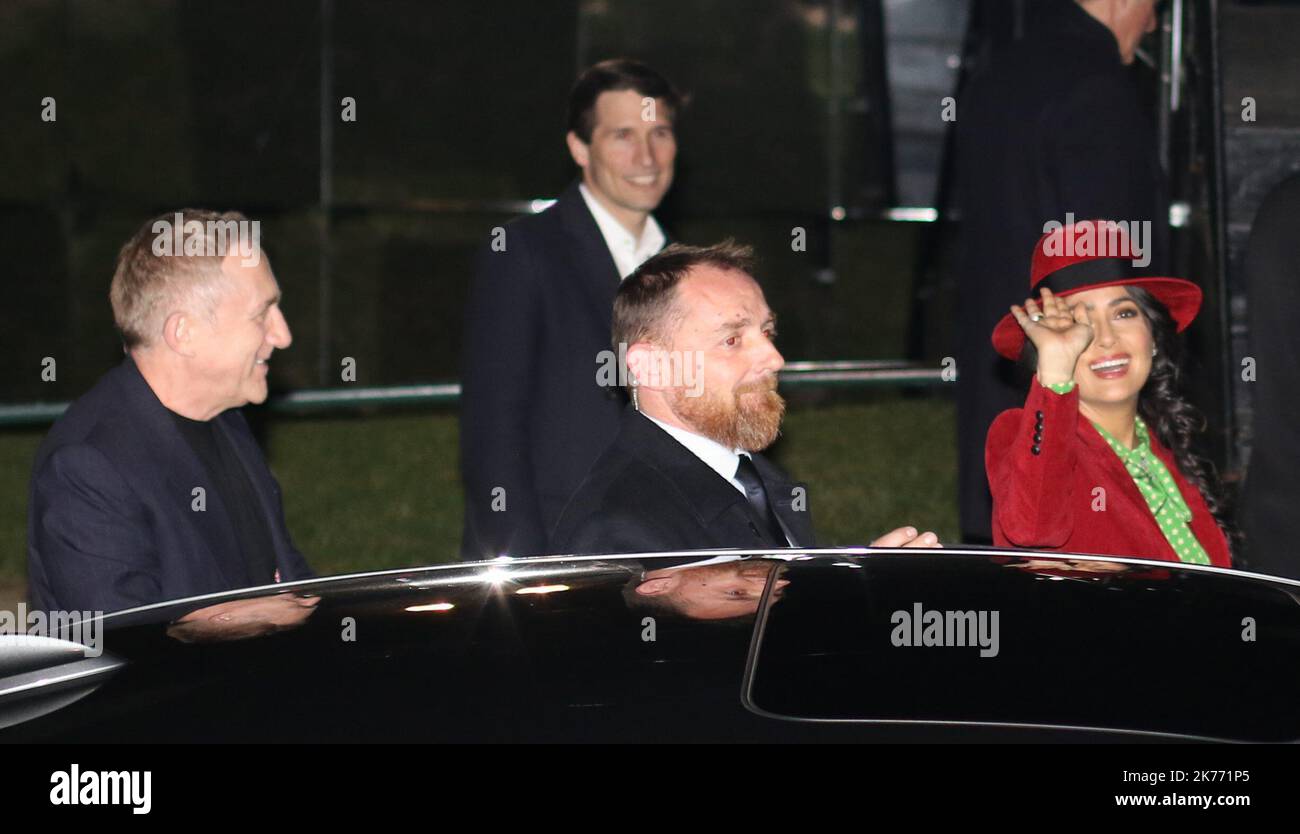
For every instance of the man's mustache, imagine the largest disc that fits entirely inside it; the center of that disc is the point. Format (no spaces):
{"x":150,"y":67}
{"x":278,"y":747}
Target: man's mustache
{"x":763,"y":386}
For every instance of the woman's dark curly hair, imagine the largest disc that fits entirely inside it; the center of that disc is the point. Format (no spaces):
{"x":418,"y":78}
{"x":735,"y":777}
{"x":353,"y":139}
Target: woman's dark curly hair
{"x":1167,"y":413}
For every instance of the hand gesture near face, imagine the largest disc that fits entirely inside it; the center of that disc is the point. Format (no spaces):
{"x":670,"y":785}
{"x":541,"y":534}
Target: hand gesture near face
{"x":1060,"y":333}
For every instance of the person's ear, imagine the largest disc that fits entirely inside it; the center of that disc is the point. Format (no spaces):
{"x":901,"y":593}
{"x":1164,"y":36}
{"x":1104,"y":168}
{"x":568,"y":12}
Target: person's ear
{"x":641,"y":359}
{"x":578,"y":149}
{"x":178,"y":333}
{"x":655,"y":587}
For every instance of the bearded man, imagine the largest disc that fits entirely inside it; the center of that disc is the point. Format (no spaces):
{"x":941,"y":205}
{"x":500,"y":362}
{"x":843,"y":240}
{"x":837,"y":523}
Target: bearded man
{"x":684,"y":471}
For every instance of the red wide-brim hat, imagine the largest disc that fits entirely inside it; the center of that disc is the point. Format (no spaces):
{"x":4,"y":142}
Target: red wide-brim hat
{"x":1089,"y":255}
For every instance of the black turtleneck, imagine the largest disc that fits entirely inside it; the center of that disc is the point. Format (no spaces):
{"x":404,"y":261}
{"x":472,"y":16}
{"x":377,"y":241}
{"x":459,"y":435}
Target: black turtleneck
{"x":230,"y":481}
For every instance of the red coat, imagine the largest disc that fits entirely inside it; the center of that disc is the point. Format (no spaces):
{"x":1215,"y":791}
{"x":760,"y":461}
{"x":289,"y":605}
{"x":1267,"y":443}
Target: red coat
{"x":1049,"y":500}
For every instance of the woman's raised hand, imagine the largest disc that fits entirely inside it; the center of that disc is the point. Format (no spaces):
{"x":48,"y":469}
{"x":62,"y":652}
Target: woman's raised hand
{"x":1060,"y":333}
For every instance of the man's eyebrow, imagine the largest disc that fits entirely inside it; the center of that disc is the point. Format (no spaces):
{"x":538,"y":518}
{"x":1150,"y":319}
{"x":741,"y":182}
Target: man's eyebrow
{"x":742,"y":321}
{"x":273,"y":300}
{"x":737,"y":323}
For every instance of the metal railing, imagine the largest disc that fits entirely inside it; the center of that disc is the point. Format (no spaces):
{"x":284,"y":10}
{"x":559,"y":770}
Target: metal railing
{"x":850,"y":373}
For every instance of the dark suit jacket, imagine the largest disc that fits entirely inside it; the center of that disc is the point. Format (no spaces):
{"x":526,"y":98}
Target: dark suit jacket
{"x":533,"y":418}
{"x":1053,"y":125}
{"x":1271,"y":493}
{"x":110,"y":523}
{"x":648,"y":492}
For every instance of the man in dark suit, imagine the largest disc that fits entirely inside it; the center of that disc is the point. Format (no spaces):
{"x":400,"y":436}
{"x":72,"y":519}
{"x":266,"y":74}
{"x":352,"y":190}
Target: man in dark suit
{"x":150,"y":487}
{"x":684,"y":470}
{"x":1053,"y":126}
{"x":534,"y":411}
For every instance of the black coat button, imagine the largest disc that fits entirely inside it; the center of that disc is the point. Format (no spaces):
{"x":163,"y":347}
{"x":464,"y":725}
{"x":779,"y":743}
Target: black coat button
{"x":1038,"y":437}
{"x":1039,"y":415}
{"x":1036,"y":450}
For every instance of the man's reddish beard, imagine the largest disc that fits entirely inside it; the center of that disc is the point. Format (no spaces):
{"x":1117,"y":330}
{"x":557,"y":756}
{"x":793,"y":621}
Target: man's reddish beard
{"x":747,"y":418}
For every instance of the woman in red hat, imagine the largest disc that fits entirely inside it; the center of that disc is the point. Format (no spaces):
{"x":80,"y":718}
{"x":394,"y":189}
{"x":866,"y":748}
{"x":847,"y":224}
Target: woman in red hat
{"x":1100,"y":460}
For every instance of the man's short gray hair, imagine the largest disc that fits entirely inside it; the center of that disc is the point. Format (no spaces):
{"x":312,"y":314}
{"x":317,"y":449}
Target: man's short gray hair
{"x":149,"y":286}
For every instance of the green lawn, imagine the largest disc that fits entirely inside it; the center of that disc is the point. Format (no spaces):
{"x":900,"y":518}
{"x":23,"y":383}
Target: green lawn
{"x":382,"y":491}
{"x":16,"y":452}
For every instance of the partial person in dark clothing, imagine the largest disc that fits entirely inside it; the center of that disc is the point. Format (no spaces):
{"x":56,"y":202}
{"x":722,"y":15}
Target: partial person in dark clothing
{"x":1268,"y":516}
{"x":151,"y":487}
{"x":1052,"y":130}
{"x":540,"y":399}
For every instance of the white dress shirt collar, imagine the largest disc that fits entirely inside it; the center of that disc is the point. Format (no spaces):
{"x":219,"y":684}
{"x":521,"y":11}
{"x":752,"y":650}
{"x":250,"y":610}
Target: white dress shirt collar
{"x":719,"y":458}
{"x":628,"y":252}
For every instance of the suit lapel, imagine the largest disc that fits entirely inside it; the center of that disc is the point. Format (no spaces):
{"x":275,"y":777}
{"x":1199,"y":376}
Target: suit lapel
{"x":160,"y":440}
{"x":715,"y":503}
{"x":593,"y":264}
{"x":709,"y":497}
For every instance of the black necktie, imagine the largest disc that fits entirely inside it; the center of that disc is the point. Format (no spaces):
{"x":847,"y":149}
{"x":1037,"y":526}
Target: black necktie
{"x":747,"y":474}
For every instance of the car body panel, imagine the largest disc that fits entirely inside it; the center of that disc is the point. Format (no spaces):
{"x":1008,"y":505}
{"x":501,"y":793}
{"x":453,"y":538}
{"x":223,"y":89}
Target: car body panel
{"x":561,"y":649}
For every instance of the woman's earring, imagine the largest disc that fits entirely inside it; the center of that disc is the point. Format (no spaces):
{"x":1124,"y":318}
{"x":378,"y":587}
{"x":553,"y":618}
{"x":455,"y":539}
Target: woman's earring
{"x":631,"y":380}
{"x":1154,"y":350}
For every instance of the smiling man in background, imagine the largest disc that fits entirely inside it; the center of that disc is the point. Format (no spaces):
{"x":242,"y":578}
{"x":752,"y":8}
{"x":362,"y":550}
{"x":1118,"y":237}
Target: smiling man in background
{"x":150,"y":487}
{"x":534,"y":414}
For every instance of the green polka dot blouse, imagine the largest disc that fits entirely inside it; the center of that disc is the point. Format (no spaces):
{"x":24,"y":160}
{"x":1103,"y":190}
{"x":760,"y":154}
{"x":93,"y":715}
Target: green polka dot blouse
{"x":1161,"y":493}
